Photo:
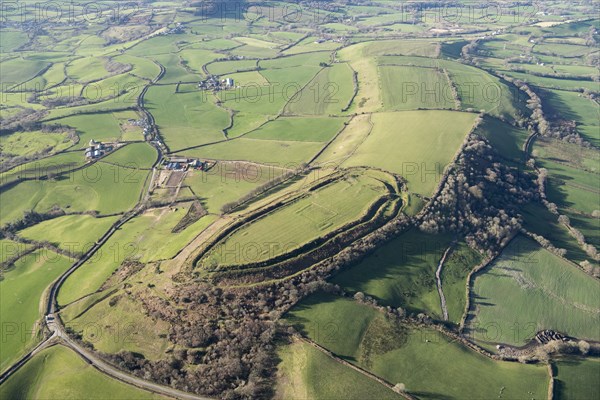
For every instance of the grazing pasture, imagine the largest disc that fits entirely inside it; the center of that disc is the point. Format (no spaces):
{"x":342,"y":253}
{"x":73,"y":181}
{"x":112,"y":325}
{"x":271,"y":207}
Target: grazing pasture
{"x":74,"y":233}
{"x":134,"y":155}
{"x":99,"y":187}
{"x":306,"y":373}
{"x":33,"y":143}
{"x":454,"y":274}
{"x":539,"y":220}
{"x":396,"y":47}
{"x":423,"y":359}
{"x":480,"y":90}
{"x":232,"y":66}
{"x":19,"y":70}
{"x":117,"y":322}
{"x":284,"y":154}
{"x":54,"y":164}
{"x":227,"y":182}
{"x":546,"y":292}
{"x":21,"y":291}
{"x":555,"y":83}
{"x":577,"y":379}
{"x":98,"y":126}
{"x":322,"y":211}
{"x":327,"y":94}
{"x":59,"y":373}
{"x":560,"y":104}
{"x":145,"y":238}
{"x":415,"y":144}
{"x":401,"y":273}
{"x":343,"y":146}
{"x":186,"y":119}
{"x":175,"y":70}
{"x":506,"y":139}
{"x":303,"y":129}
{"x":87,"y":69}
{"x":409,"y":88}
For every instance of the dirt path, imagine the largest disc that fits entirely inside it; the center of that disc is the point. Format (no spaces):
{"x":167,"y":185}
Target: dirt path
{"x":438,"y":279}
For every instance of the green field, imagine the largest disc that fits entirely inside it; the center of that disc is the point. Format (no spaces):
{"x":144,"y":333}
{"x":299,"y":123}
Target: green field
{"x":506,"y":139}
{"x":306,"y":373}
{"x":186,"y":119}
{"x":545,"y":293}
{"x":562,"y":50}
{"x":538,"y":220}
{"x":322,"y":211}
{"x":577,"y":379}
{"x":573,"y":106}
{"x":134,"y":155}
{"x":343,"y":146}
{"x":100,"y":127}
{"x":327,"y":94}
{"x":309,"y":45}
{"x":272,"y":152}
{"x":75,"y":233}
{"x":175,"y":71}
{"x":18,"y":70}
{"x":228,"y":182}
{"x":401,"y":273}
{"x":481,"y":91}
{"x":31,"y":143}
{"x":21,"y":302}
{"x":227,"y":67}
{"x":118,"y":323}
{"x":86,"y":69}
{"x":299,"y":129}
{"x":573,"y":180}
{"x":145,"y":238}
{"x":100,"y":187}
{"x":59,"y":373}
{"x":415,"y":144}
{"x":476,"y":89}
{"x":323,"y":159}
{"x":423,"y":359}
{"x":398,"y":47}
{"x":554,"y":83}
{"x":410,"y":88}
{"x":53,"y":164}
{"x":460,"y":262}
{"x":142,"y":66}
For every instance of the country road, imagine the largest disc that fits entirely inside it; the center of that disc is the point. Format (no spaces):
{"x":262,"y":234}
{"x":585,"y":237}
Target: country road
{"x":59,"y":335}
{"x":120,"y":375}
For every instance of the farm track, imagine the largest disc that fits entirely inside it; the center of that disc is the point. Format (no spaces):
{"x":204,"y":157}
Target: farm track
{"x":184,"y":254}
{"x":438,"y":279}
{"x":57,"y":329}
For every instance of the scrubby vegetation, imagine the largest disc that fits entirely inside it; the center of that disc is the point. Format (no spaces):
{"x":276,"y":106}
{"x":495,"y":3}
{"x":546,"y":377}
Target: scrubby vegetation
{"x":303,"y":200}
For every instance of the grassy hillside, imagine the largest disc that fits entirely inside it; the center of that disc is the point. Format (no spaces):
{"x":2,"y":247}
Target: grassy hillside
{"x":21,"y":292}
{"x":401,"y":273}
{"x":59,"y":373}
{"x":545,"y":293}
{"x":415,"y":144}
{"x":306,"y":373}
{"x":423,"y":359}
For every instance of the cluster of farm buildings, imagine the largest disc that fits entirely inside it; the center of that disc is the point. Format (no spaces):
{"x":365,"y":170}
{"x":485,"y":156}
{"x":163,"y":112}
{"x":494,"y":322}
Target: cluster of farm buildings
{"x":144,"y":124}
{"x":214,"y":83}
{"x":183,"y":164}
{"x":97,"y":149}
